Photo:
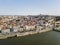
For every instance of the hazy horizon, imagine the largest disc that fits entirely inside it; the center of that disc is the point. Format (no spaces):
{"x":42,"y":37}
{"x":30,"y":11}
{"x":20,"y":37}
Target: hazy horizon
{"x":29,"y":7}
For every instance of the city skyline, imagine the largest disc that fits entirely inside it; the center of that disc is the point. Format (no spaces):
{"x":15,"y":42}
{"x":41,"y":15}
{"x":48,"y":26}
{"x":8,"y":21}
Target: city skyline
{"x":29,"y":7}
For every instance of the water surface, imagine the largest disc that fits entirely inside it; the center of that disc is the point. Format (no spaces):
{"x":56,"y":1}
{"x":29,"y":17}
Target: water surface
{"x":47,"y":38}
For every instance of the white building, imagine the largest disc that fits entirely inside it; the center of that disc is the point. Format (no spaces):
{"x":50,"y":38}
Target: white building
{"x":21,"y":30}
{"x":15,"y":29}
{"x":57,"y":23}
{"x":5,"y":31}
{"x":39,"y":28}
{"x":30,"y":27}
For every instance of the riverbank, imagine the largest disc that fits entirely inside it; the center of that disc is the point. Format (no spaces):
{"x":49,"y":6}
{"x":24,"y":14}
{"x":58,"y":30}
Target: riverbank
{"x":46,"y":38}
{"x":31,"y":32}
{"x":18,"y":34}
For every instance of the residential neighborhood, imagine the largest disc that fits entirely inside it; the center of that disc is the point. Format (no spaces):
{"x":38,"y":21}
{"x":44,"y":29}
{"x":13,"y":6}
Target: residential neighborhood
{"x":22,"y":24}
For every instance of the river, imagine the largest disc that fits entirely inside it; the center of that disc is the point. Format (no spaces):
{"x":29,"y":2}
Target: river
{"x":47,"y":38}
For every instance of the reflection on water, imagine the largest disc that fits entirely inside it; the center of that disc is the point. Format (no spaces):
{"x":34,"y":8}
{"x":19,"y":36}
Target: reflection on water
{"x":47,"y":38}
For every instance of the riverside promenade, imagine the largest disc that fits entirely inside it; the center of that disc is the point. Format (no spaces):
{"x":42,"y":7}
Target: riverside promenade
{"x":30,"y":33}
{"x":18,"y":34}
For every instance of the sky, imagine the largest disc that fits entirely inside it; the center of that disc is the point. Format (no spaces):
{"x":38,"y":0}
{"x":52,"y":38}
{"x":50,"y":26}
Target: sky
{"x":29,"y":7}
